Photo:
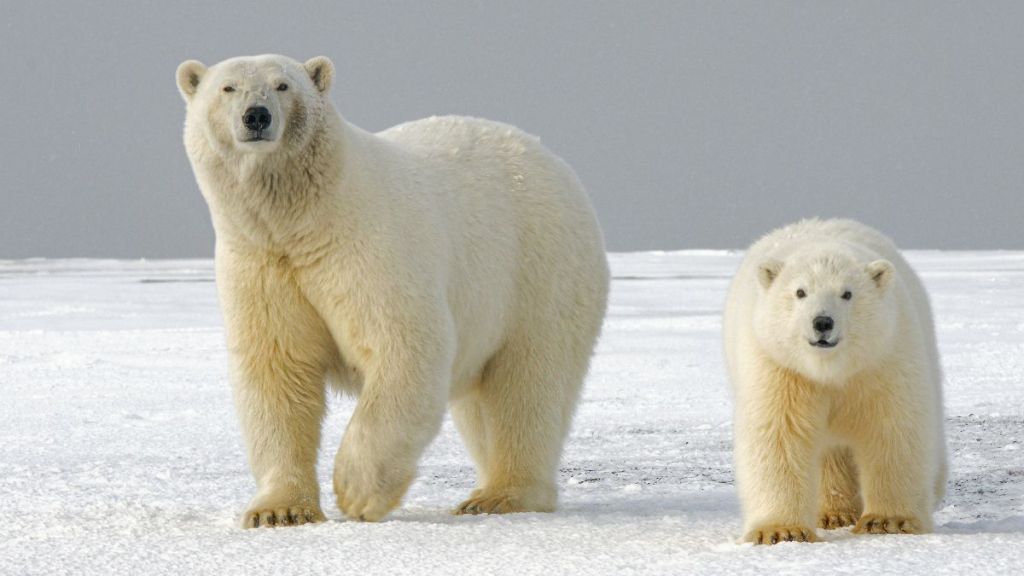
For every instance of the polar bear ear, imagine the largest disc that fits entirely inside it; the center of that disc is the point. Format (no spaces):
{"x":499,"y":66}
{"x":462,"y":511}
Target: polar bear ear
{"x":321,"y":72}
{"x":190,"y":72}
{"x":768,"y":271}
{"x":881,"y":272}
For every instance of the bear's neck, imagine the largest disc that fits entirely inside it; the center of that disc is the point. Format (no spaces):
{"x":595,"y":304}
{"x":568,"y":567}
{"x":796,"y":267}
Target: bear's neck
{"x":267,"y":200}
{"x":295,"y":177}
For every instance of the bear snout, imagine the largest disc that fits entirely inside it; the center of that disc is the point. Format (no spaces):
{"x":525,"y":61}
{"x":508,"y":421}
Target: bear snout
{"x":824,"y":327}
{"x":823,"y":324}
{"x":257,"y":118}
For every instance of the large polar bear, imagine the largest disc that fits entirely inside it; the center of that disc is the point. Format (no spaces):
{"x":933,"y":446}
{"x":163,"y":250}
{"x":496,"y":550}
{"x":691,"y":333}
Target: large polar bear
{"x":832,"y":356}
{"x":447,"y":261}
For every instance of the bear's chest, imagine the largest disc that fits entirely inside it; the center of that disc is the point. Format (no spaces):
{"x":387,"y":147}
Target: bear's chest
{"x":269,"y":217}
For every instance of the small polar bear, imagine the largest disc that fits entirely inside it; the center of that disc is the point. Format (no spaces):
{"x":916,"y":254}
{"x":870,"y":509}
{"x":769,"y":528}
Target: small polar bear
{"x":444,"y":262}
{"x":831,"y":352}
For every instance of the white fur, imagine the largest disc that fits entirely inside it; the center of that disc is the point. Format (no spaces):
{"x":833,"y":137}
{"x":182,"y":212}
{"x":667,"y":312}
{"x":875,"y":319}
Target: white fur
{"x":832,"y":436}
{"x":447,"y":261}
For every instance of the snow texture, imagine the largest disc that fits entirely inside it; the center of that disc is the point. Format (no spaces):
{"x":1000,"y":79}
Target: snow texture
{"x":121,"y":453}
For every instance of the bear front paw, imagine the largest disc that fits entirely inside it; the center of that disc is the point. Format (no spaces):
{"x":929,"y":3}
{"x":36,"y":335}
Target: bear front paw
{"x":365,"y":495}
{"x":882,"y":524}
{"x":270,"y":517}
{"x":832,"y":519}
{"x":775,"y":534}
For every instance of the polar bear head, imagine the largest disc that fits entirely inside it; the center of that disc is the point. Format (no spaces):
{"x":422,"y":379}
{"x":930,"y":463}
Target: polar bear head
{"x":825,"y":313}
{"x":253,"y":105}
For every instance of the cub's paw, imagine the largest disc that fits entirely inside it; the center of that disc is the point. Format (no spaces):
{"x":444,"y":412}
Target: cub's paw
{"x":775,"y":534}
{"x":882,"y":524}
{"x":270,"y":517}
{"x":832,"y":519}
{"x":506,"y":501}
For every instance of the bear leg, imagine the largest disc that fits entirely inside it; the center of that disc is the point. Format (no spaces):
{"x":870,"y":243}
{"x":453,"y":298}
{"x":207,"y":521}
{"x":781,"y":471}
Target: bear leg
{"x":840,"y":494}
{"x":892,"y":450}
{"x":468,"y":414}
{"x":527,"y":398}
{"x":400,"y":410}
{"x":780,"y":423}
{"x":279,"y":348}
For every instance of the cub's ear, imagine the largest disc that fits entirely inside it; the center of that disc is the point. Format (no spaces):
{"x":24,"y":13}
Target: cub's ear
{"x":768,"y":271}
{"x":190,"y":73}
{"x":881,"y":272}
{"x":321,"y":72}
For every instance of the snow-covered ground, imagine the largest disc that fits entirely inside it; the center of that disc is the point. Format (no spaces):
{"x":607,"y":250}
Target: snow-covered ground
{"x":120,"y":452}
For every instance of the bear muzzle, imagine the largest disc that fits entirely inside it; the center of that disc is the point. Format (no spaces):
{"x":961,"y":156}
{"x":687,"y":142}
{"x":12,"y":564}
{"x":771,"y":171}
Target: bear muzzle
{"x":823,"y":327}
{"x":256,"y":119}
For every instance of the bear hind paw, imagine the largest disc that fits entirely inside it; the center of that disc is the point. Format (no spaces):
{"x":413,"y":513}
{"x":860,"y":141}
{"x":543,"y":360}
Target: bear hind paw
{"x":498,"y":502}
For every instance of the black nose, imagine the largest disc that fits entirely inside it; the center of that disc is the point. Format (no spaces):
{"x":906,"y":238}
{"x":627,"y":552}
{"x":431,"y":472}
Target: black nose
{"x":256,"y":118}
{"x":823,"y":324}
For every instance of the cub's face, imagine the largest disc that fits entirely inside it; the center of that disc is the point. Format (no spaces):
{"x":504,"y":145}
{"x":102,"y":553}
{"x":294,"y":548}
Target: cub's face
{"x":253,"y":105}
{"x":825,"y":316}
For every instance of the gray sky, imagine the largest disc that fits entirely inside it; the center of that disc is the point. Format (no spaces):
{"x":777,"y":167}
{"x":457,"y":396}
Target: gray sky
{"x":692,"y":124}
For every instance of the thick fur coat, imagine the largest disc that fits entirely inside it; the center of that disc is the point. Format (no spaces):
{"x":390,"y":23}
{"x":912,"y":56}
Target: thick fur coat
{"x":831,"y":352}
{"x":447,"y":262}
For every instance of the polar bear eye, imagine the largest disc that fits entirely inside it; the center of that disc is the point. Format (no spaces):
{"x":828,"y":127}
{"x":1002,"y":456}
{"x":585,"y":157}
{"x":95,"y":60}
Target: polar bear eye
{"x":847,"y":295}
{"x":800,"y":293}
{"x":229,"y":89}
{"x":282,"y":87}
